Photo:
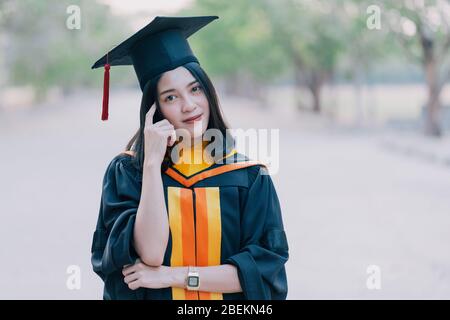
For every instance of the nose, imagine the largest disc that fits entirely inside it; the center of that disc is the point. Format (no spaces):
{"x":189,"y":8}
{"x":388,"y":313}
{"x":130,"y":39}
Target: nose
{"x":188,"y":105}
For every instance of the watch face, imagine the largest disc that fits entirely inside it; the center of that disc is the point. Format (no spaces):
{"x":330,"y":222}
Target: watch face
{"x":193,"y":281}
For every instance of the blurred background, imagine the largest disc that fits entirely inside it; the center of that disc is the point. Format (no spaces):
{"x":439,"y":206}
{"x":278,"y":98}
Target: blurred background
{"x":358,"y":89}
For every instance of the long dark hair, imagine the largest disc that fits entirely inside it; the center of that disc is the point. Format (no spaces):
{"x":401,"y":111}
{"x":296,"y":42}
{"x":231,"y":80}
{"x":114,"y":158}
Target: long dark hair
{"x":149,"y":96}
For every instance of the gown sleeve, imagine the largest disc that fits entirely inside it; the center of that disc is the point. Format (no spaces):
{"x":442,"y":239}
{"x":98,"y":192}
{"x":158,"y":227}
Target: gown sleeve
{"x":112,"y":244}
{"x":264,"y":247}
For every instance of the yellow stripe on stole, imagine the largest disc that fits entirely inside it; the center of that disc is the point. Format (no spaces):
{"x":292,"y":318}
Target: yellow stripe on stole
{"x":209,"y":232}
{"x":181,"y":228}
{"x":176,"y":259}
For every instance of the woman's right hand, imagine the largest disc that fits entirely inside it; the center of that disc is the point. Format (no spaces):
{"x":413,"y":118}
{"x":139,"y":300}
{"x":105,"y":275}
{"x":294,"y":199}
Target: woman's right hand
{"x":157,"y":136}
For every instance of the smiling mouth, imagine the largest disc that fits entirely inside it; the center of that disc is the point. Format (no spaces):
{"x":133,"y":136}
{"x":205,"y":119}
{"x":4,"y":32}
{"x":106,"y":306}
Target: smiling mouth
{"x":190,"y":120}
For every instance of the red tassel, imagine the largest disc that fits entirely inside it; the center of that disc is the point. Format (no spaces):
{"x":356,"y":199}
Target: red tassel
{"x":105,"y":92}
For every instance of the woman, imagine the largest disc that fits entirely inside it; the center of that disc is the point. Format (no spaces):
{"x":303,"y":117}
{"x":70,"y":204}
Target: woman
{"x":184,"y":230}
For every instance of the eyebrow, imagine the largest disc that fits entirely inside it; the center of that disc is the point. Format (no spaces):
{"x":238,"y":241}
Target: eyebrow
{"x":169,"y":90}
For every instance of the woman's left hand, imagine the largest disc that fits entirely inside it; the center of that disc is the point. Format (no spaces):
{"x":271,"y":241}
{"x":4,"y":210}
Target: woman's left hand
{"x":141,"y":275}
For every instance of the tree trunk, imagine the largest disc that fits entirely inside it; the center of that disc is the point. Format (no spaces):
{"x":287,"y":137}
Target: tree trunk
{"x":316,"y":89}
{"x":432,"y":124}
{"x":315,"y":85}
{"x":298,"y":84}
{"x":433,"y":107}
{"x":314,"y":80}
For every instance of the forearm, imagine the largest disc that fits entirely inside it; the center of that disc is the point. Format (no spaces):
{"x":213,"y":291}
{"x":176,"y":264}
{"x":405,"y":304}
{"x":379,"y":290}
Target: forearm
{"x":151,"y":230}
{"x":223,"y":278}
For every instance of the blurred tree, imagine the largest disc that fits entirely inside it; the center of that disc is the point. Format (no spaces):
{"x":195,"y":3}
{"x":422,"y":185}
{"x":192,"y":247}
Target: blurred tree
{"x":5,"y":18}
{"x":261,"y":40}
{"x":311,"y":36}
{"x":239,"y":47}
{"x":423,"y":29}
{"x":365,"y":47}
{"x":43,"y":52}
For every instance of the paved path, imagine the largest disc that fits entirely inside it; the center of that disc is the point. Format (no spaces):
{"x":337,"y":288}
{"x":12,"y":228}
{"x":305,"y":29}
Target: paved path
{"x":349,"y":201}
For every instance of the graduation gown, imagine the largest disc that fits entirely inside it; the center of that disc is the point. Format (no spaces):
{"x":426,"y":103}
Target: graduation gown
{"x":226,"y":214}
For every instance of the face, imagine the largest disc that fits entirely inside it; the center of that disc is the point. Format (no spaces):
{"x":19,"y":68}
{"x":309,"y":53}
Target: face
{"x":183,"y":101}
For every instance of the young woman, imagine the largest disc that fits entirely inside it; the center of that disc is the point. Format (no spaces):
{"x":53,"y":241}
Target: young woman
{"x":186,"y":230}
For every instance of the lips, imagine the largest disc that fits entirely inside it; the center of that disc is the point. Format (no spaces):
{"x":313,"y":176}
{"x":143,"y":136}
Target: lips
{"x":194,"y":118}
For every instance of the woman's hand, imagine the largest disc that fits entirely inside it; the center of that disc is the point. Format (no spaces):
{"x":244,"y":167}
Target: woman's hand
{"x":157,"y":136}
{"x":140,"y":275}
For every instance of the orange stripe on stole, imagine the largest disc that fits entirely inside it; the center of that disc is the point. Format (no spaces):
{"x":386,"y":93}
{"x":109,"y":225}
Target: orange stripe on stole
{"x":209,"y":232}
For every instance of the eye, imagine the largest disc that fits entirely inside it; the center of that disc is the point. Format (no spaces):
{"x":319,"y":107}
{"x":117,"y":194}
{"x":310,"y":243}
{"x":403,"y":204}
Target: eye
{"x":197,"y":88}
{"x":168,"y":98}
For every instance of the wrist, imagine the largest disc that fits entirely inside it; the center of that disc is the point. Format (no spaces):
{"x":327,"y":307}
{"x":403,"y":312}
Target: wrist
{"x":151,"y":167}
{"x":178,"y":276}
{"x":151,"y":173}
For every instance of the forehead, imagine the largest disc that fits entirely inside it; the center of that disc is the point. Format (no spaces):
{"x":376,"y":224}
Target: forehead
{"x":176,"y":78}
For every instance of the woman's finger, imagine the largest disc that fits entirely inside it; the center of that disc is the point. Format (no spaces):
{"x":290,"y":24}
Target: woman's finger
{"x":129,"y":270}
{"x":131,"y":277}
{"x":170,"y":134}
{"x":166,"y":130}
{"x":163,"y":123}
{"x":172,"y":138}
{"x":150,"y":114}
{"x":134,"y":284}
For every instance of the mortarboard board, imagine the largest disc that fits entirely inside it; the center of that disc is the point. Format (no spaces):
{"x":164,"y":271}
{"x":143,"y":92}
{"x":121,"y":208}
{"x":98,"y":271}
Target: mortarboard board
{"x":158,"y":47}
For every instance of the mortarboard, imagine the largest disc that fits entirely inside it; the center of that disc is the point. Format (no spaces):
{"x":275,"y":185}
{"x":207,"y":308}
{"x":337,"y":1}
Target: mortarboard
{"x":158,"y":47}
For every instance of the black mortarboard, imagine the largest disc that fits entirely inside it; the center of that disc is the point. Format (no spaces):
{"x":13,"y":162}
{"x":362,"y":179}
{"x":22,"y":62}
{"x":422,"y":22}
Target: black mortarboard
{"x":158,"y":47}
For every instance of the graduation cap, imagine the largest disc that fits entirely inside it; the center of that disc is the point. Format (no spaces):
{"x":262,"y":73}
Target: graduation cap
{"x":158,"y":47}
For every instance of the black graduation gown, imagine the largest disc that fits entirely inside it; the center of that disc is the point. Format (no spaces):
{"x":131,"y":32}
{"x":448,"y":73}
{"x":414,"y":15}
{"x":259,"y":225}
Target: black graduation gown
{"x":226,"y":214}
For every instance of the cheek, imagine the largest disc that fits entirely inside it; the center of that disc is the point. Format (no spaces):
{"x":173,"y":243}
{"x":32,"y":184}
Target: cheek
{"x":205,"y":119}
{"x":170,"y":114}
{"x":205,"y":106}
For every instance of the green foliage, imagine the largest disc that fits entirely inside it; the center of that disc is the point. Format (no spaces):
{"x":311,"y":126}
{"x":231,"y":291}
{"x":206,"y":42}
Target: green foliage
{"x":264,"y":39}
{"x":242,"y":40}
{"x":44,"y":52}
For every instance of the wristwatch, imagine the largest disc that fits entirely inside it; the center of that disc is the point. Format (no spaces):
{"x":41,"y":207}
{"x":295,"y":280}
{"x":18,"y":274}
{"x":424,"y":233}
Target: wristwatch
{"x":193,"y":279}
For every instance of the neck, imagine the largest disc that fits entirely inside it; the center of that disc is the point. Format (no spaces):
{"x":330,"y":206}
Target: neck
{"x":194,"y":153}
{"x":197,"y":142}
